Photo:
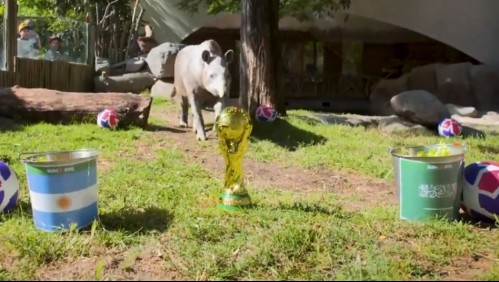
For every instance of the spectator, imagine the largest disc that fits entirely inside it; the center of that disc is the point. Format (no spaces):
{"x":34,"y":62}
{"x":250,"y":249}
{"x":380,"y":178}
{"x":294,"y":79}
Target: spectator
{"x":34,"y":35}
{"x":25,"y":45}
{"x":54,"y":53}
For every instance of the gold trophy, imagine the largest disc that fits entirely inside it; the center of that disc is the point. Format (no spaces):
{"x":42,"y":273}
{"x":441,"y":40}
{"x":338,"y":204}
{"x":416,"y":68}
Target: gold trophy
{"x":233,"y":127}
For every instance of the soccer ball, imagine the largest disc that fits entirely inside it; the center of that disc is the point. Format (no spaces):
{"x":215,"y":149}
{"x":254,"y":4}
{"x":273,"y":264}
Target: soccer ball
{"x":481,"y":190}
{"x":108,"y":118}
{"x":449,"y":127}
{"x":266,"y":113}
{"x":9,"y":188}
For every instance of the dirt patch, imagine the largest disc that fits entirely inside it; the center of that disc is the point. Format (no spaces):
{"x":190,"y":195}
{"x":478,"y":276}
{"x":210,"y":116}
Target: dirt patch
{"x":467,"y":268}
{"x":114,"y":265}
{"x":354,"y":191}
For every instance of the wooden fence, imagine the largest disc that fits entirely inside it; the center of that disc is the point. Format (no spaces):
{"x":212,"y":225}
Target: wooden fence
{"x":57,"y":75}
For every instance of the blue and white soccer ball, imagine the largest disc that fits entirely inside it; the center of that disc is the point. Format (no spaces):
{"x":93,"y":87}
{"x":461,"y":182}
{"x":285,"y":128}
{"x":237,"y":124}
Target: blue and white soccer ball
{"x":9,"y":188}
{"x":449,"y":127}
{"x":480,"y":198}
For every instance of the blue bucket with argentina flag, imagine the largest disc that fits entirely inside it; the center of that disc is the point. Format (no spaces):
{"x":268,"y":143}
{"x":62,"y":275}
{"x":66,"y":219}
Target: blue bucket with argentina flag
{"x":63,"y":188}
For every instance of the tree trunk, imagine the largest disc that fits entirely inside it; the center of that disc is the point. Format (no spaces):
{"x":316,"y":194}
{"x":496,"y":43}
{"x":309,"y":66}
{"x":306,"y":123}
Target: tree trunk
{"x":260,"y":55}
{"x":54,"y":106}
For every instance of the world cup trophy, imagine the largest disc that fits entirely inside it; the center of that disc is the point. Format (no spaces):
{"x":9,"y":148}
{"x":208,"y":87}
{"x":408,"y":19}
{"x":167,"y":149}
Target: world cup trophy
{"x":233,"y":127}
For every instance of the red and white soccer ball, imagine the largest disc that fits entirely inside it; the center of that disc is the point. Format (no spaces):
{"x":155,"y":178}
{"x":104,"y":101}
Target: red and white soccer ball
{"x":449,"y":127}
{"x":9,"y":188}
{"x":108,"y":118}
{"x":266,"y":113}
{"x":480,"y":198}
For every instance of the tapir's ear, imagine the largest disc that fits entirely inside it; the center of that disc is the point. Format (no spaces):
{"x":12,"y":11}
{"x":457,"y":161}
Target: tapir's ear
{"x":229,"y":56}
{"x":205,"y":56}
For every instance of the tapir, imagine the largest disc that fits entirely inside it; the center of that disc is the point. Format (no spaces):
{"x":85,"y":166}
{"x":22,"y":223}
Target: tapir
{"x":199,"y":71}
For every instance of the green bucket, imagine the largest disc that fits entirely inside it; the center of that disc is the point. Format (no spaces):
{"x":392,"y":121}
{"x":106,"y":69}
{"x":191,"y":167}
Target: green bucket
{"x":428,"y":187}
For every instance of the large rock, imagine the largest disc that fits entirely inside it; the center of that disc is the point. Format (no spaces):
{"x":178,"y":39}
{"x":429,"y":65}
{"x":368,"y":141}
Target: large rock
{"x":102,"y":64}
{"x":462,"y":111}
{"x":135,"y":64}
{"x":162,"y":89}
{"x":135,"y":82}
{"x":485,"y":84}
{"x":454,"y":85}
{"x":382,"y":93}
{"x":161,"y":59}
{"x":423,"y":78}
{"x":419,"y":106}
{"x":461,"y":84}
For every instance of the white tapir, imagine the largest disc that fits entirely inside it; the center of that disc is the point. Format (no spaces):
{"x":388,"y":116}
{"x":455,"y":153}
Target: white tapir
{"x":201,"y":70}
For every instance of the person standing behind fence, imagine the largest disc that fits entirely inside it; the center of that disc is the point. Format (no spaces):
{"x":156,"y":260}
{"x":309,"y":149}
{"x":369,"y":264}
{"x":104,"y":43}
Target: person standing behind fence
{"x":25,"y":44}
{"x":54,"y":53}
{"x":33,"y":36}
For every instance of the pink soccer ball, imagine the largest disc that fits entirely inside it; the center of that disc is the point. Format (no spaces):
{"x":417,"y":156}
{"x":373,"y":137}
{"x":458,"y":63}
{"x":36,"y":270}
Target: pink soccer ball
{"x":266,"y":113}
{"x":449,"y":127}
{"x":108,"y":118}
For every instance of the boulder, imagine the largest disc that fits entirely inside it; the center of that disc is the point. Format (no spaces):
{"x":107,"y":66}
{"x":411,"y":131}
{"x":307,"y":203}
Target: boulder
{"x":485,"y":84}
{"x":454,"y":84}
{"x":102,"y":64}
{"x":383,"y":91}
{"x":135,"y":82}
{"x":162,"y":89}
{"x":423,"y":78}
{"x":135,"y":64}
{"x":419,"y":106}
{"x":161,"y":59}
{"x":461,"y":84}
{"x":462,"y":111}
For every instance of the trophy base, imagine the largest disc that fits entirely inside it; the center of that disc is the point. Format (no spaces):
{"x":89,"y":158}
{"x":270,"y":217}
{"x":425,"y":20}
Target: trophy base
{"x":234,"y":202}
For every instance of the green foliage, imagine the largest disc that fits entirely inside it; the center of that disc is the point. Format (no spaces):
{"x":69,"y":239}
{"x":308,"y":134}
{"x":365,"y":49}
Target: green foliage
{"x":300,"y":9}
{"x":67,"y":19}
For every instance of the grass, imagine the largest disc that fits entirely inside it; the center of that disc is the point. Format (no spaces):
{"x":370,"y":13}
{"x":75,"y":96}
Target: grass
{"x":354,"y":149}
{"x":152,"y":195}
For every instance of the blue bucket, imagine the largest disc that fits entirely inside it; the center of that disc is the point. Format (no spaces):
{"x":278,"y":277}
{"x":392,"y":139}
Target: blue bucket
{"x":63,"y":188}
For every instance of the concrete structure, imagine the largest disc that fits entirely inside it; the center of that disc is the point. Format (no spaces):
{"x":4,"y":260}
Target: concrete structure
{"x":470,"y":26}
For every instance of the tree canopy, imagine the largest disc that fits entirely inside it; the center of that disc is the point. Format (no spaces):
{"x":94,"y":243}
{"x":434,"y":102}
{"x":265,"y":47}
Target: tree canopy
{"x":300,"y":9}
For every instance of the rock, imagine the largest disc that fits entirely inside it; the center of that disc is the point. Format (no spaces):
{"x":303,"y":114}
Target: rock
{"x":419,"y":106}
{"x":454,"y":84}
{"x":489,"y":119}
{"x":161,"y":59}
{"x":383,"y":91}
{"x":485,"y":84}
{"x":395,"y":124}
{"x":462,"y":111}
{"x":462,"y":84}
{"x":135,"y":82}
{"x":423,"y":78}
{"x":102,"y":64}
{"x":135,"y":64}
{"x":162,"y":89}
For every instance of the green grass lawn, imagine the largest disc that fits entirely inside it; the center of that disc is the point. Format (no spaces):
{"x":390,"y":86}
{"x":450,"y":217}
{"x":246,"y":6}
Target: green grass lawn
{"x":166,"y":200}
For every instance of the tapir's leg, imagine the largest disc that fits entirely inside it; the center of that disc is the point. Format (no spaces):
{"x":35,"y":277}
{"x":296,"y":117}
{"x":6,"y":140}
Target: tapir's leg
{"x":197,"y":118}
{"x":184,"y":105}
{"x":218,"y":107}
